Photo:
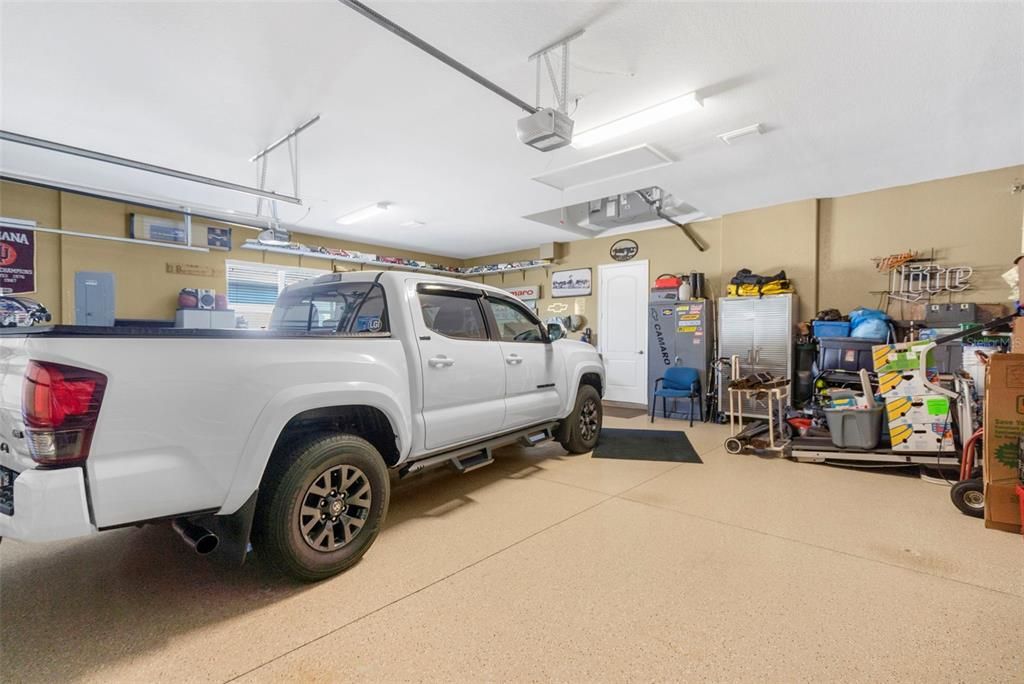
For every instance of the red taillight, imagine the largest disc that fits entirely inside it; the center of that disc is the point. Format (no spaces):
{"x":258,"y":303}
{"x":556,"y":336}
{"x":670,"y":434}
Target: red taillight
{"x":60,"y":406}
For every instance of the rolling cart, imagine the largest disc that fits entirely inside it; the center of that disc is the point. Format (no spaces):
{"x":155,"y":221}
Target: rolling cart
{"x":775,"y":393}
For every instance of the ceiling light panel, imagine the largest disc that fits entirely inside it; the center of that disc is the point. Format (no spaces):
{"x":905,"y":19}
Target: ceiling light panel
{"x":614,"y":165}
{"x":363,"y":214}
{"x":641,"y":119}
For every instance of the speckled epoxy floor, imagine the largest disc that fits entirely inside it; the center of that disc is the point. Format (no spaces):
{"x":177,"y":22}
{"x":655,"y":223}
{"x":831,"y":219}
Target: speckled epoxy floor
{"x":546,"y":566}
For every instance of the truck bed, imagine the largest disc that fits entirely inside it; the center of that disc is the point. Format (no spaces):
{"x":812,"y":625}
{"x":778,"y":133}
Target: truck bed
{"x":160,"y":332}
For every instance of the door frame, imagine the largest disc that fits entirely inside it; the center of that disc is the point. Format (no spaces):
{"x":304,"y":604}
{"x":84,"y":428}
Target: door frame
{"x":641,"y":319}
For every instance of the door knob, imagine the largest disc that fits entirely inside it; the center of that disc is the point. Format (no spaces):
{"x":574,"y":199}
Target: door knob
{"x":440,"y":361}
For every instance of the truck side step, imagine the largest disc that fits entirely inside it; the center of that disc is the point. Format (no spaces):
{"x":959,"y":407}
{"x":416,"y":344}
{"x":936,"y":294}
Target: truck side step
{"x":464,"y":464}
{"x":536,"y":437}
{"x":473,"y":456}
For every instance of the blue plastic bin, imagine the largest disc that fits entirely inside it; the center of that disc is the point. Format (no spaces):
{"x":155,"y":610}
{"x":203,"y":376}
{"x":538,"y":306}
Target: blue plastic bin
{"x":831,"y":328}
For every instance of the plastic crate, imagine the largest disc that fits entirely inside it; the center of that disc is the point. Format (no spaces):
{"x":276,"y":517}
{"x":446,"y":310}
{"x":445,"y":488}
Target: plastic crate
{"x":845,"y":353}
{"x":855,"y":428}
{"x":831,"y":328}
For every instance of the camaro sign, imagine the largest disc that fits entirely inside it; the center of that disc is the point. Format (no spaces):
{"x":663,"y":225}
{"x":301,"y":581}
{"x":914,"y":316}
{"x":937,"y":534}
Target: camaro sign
{"x":17,"y":260}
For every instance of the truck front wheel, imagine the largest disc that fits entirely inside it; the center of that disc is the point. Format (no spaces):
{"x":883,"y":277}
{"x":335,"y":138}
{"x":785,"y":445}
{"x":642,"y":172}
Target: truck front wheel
{"x":579,"y":432}
{"x":321,"y":504}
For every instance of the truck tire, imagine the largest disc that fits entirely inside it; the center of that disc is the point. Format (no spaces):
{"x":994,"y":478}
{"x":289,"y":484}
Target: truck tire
{"x":322,"y":502}
{"x":579,"y":432}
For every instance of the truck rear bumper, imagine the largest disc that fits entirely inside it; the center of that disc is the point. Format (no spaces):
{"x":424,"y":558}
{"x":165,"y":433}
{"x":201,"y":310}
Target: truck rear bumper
{"x":48,"y":505}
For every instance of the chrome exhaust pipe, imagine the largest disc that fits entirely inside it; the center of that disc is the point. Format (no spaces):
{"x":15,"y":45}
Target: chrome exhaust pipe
{"x":199,"y":538}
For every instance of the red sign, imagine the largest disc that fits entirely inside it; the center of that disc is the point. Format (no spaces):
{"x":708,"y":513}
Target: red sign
{"x":17,"y":260}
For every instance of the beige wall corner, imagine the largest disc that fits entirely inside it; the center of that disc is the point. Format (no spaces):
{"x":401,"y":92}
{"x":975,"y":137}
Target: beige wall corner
{"x":971,"y":220}
{"x":783,"y":237}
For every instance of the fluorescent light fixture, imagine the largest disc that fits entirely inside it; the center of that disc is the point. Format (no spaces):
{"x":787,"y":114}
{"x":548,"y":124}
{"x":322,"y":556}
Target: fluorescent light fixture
{"x":729,"y":136}
{"x":637,"y":120}
{"x":363,"y":214}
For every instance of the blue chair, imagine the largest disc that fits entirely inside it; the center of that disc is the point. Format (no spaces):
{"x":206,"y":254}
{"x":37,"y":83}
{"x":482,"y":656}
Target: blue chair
{"x":678,"y":383}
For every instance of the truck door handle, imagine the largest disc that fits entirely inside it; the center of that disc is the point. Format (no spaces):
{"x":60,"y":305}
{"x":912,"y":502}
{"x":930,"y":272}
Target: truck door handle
{"x":440,"y":361}
{"x":513,"y":359}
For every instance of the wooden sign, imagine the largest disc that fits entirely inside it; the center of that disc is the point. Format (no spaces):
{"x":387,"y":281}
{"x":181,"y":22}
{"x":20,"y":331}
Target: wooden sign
{"x":191,"y":270}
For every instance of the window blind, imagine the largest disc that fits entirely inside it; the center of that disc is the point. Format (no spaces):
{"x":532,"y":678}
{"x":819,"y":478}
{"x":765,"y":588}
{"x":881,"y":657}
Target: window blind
{"x":253,"y":288}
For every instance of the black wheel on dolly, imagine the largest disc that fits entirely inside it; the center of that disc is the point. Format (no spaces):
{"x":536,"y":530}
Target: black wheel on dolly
{"x":969,"y":497}
{"x":733,"y":445}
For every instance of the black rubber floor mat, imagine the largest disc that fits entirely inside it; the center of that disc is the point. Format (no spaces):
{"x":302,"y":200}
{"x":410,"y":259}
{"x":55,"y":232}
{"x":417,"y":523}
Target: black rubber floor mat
{"x":645,"y":445}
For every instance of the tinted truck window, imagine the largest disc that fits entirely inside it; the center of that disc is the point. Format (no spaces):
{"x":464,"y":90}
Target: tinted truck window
{"x":336,"y":307}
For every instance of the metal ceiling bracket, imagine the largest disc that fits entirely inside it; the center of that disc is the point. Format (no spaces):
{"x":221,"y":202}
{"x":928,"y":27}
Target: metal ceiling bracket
{"x":408,"y":37}
{"x":20,"y":139}
{"x":291,"y":140}
{"x":559,"y":86}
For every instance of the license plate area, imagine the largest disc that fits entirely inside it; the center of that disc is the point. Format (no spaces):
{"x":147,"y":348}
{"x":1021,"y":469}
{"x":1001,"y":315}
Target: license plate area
{"x":7,"y":490}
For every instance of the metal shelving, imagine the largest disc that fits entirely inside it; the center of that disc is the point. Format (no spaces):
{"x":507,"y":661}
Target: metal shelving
{"x":384,"y":264}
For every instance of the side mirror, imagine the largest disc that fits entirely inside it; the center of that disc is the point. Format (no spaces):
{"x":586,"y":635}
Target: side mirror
{"x":555,"y":332}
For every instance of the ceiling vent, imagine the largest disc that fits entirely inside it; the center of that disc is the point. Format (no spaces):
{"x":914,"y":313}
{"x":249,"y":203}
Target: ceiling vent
{"x":641,"y":209}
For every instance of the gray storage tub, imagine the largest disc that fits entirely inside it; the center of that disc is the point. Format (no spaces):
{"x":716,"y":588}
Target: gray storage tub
{"x":855,"y":428}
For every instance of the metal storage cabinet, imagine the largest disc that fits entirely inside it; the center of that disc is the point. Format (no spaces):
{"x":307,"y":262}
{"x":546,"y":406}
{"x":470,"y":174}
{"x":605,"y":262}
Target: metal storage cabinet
{"x":759,"y":330}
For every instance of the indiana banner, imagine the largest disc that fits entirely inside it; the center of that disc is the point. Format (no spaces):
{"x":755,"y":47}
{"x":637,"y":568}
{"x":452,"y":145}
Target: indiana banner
{"x":17,"y":260}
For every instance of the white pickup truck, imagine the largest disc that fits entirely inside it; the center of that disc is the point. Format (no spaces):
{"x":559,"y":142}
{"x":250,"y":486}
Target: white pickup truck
{"x":282,"y":436}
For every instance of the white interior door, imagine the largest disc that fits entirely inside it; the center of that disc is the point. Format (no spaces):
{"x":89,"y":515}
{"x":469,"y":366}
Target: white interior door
{"x":622,"y":295}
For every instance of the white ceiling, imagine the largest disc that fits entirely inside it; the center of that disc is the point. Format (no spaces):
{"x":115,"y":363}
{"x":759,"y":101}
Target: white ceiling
{"x":854,"y":97}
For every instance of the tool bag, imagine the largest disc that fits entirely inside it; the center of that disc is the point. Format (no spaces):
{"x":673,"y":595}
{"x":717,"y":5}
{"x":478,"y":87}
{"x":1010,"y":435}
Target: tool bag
{"x":667,"y":280}
{"x":749,"y":284}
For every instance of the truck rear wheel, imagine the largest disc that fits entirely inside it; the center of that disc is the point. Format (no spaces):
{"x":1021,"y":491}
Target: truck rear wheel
{"x":579,"y":432}
{"x":321,"y":504}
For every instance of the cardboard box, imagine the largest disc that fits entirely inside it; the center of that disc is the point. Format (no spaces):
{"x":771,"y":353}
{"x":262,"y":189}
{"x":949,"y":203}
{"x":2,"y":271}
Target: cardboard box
{"x":898,"y":367}
{"x":902,"y":356}
{"x":905,"y":384}
{"x":919,"y":408}
{"x":1017,"y":340}
{"x":1002,"y":506}
{"x":1004,"y":416}
{"x":933,"y":437}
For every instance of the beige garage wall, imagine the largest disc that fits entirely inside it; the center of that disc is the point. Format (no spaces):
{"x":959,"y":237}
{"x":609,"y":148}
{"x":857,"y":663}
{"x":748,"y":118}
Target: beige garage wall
{"x":826,"y":246}
{"x":972,"y":220}
{"x":766,"y":241}
{"x":667,"y":250}
{"x":144,"y":287}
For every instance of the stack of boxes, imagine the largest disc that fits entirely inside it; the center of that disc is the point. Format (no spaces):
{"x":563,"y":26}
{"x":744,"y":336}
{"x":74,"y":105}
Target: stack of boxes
{"x":1004,"y":441}
{"x":919,"y":419}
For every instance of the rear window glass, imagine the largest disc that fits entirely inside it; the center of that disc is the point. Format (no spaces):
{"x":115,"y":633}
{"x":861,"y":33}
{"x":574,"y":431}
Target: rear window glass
{"x":335,"y":307}
{"x":453,"y":316}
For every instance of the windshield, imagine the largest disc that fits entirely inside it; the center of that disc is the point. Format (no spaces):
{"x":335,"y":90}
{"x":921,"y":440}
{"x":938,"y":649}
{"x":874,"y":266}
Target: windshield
{"x":330,"y":308}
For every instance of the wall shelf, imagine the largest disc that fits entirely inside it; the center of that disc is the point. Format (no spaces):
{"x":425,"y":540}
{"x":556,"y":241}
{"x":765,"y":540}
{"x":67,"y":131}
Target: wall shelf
{"x":384,"y":264}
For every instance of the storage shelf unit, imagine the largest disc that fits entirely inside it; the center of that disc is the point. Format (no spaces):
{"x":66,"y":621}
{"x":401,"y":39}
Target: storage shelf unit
{"x":384,"y":264}
{"x":759,"y":330}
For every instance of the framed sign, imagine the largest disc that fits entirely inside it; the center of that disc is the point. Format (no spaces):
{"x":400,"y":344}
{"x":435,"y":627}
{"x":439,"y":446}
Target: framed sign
{"x":527,"y":294}
{"x":624,"y":250}
{"x":574,"y":283}
{"x":17,"y":260}
{"x":524,"y":292}
{"x":157,"y":229}
{"x":218,"y":238}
